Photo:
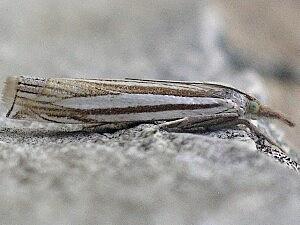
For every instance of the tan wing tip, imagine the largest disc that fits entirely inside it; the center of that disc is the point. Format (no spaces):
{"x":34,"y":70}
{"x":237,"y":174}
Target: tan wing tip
{"x":9,"y":91}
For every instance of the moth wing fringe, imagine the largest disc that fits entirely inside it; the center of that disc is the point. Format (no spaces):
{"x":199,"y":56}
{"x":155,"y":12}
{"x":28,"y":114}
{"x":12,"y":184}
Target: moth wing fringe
{"x":9,"y":91}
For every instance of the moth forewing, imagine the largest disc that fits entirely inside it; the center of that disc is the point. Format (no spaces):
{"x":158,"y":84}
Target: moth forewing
{"x":97,"y":101}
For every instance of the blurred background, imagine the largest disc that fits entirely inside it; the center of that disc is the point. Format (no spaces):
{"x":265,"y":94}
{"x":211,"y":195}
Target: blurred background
{"x":251,"y":44}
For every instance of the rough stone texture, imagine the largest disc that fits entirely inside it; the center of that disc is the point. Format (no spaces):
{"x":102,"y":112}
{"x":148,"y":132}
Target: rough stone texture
{"x":139,"y":175}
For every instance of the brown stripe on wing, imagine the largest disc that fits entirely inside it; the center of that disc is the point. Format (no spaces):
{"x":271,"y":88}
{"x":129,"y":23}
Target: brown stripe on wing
{"x":48,"y":90}
{"x":147,"y":108}
{"x":115,"y":111}
{"x":96,"y":87}
{"x":45,"y":90}
{"x":27,"y":102}
{"x":61,"y":88}
{"x":164,"y":89}
{"x":79,"y":88}
{"x":65,"y":88}
{"x":218,"y":89}
{"x":53,"y":111}
{"x":75,"y":117}
{"x":36,"y":113}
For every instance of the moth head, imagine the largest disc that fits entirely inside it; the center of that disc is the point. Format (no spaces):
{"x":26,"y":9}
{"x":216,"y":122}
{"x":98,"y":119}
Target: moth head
{"x":256,"y":110}
{"x":253,"y":107}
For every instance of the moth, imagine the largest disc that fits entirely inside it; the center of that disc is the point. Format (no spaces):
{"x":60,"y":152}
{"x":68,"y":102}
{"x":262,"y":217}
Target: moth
{"x":118,"y":103}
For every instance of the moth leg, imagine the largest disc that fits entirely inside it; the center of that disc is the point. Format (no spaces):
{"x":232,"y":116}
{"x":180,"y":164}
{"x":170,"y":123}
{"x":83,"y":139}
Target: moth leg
{"x":172,"y":123}
{"x":108,"y":127}
{"x":252,"y":128}
{"x":258,"y":132}
{"x":198,"y":123}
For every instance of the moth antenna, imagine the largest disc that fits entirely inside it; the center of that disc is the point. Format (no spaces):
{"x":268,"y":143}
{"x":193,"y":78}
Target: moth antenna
{"x":267,"y":112}
{"x":9,"y":92}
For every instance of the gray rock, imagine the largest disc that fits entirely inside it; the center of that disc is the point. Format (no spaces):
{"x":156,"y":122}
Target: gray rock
{"x":138,"y":176}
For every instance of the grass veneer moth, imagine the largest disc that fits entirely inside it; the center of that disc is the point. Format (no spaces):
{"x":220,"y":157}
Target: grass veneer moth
{"x":178,"y":105}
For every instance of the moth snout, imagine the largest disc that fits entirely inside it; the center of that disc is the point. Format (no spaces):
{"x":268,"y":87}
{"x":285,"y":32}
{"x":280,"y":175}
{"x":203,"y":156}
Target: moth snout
{"x":267,"y":112}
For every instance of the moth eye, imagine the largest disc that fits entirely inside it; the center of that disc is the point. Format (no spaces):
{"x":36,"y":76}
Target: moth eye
{"x":253,"y":107}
